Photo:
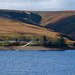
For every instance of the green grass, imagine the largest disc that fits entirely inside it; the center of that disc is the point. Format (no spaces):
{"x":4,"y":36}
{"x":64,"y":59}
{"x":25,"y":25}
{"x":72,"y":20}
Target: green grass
{"x":70,"y":43}
{"x":35,"y":44}
{"x":12,"y":44}
{"x":4,"y":44}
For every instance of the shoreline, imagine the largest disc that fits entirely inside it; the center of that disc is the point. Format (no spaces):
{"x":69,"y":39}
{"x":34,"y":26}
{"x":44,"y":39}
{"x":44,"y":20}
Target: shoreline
{"x":41,"y":48}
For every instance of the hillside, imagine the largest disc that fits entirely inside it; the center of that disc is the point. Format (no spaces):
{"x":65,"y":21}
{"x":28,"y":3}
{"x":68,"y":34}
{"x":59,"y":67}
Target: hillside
{"x":10,"y":27}
{"x":59,"y":21}
{"x":63,"y":24}
{"x":34,"y":23}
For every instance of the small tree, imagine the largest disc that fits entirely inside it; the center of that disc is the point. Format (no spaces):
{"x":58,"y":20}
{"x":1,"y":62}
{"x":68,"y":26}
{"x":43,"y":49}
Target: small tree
{"x":60,"y":42}
{"x":49,"y":44}
{"x":44,"y":40}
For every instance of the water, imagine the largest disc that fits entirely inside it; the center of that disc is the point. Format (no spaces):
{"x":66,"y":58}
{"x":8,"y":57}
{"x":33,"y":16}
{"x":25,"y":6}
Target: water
{"x":37,"y":62}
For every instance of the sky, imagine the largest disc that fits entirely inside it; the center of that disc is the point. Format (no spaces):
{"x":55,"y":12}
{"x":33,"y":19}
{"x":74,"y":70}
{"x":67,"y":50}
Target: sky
{"x":38,"y":5}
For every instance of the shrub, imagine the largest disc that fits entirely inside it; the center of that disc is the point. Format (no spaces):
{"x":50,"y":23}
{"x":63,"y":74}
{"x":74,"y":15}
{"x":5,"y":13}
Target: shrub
{"x":49,"y":44}
{"x":71,"y":43}
{"x":44,"y":42}
{"x":60,"y":42}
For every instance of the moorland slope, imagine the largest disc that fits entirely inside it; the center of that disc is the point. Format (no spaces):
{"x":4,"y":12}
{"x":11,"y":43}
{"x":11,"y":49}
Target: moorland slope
{"x":37,"y":23}
{"x":9,"y":27}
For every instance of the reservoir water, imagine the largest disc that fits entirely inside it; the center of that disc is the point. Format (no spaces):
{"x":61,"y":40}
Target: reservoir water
{"x":37,"y":62}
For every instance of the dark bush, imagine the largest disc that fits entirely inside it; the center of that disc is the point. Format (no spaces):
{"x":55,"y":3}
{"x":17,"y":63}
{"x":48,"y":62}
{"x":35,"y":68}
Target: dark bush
{"x":49,"y":44}
{"x":74,"y":44}
{"x":43,"y":40}
{"x":60,"y":42}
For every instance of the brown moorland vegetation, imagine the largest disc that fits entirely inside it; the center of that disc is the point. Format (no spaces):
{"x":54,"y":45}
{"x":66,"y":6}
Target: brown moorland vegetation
{"x":59,"y":21}
{"x":15,"y":23}
{"x":10,"y":27}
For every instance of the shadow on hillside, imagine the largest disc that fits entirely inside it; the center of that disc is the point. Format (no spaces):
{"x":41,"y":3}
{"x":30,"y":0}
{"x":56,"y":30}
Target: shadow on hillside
{"x":65,"y":25}
{"x":21,"y":16}
{"x":61,"y":23}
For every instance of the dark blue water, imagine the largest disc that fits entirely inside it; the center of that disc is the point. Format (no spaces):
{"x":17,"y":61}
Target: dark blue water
{"x":37,"y":62}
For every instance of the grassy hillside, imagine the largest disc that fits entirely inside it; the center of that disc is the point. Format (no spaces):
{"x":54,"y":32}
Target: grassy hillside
{"x":12,"y":28}
{"x":63,"y":24}
{"x":15,"y":23}
{"x":59,"y":21}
